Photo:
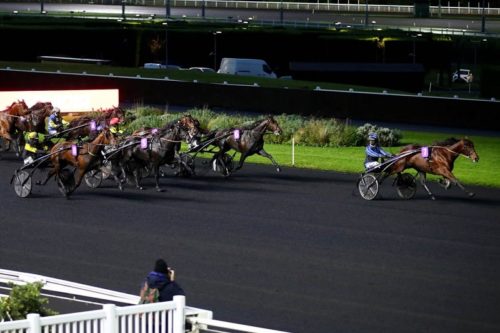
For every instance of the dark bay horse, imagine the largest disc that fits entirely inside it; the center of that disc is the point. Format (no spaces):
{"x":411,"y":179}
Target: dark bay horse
{"x":99,"y":118}
{"x":247,"y":140}
{"x":83,"y":158}
{"x":161,"y":147}
{"x":441,"y":159}
{"x":34,"y":119}
{"x":8,"y":117}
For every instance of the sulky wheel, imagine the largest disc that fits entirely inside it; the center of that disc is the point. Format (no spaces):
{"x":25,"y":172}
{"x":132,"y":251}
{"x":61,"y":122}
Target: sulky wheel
{"x":93,"y":178}
{"x":185,"y":165}
{"x":368,"y":186}
{"x":22,"y":183}
{"x":406,"y":186}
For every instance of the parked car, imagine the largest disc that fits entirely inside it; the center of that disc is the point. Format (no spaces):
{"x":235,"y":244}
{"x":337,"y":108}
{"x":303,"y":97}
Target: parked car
{"x":202,"y":69}
{"x":155,"y":65}
{"x":462,"y":75}
{"x":247,"y":67}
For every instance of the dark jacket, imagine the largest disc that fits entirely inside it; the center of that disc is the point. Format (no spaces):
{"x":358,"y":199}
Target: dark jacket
{"x":168,"y":289}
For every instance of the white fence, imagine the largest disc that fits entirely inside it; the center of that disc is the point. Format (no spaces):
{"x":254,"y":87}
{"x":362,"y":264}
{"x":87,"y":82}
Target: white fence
{"x":163,"y":317}
{"x":447,"y":7}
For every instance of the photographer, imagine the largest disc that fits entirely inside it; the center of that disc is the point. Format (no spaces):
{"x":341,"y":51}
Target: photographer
{"x":161,"y":278}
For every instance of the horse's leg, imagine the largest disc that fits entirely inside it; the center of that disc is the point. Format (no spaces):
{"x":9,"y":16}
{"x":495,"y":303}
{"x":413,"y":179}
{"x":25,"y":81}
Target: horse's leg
{"x":242,"y":160}
{"x":156,"y":170}
{"x":137,"y":176}
{"x":449,"y":175}
{"x":423,"y":177}
{"x":262,"y":152}
{"x":51,"y":173}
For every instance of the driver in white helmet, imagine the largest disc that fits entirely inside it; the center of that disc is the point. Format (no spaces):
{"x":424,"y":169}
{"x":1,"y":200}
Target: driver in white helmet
{"x":56,"y":123}
{"x":374,"y":153}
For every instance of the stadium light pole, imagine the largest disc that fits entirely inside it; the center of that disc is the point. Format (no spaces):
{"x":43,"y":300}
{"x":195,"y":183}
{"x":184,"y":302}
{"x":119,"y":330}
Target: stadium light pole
{"x":167,"y":8}
{"x":483,"y":19}
{"x":366,"y":13}
{"x":166,"y":44}
{"x":215,"y":33}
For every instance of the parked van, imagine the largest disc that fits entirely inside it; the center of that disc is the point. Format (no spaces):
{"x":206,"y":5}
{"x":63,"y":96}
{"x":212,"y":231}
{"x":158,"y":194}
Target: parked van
{"x":247,"y":67}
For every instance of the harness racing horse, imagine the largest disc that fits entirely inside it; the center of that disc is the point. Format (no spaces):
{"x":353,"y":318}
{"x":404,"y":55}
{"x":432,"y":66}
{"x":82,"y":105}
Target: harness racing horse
{"x":87,"y":157}
{"x":101,"y":119}
{"x":161,"y":148}
{"x":440,"y":161}
{"x":8,"y":117}
{"x":247,"y":140}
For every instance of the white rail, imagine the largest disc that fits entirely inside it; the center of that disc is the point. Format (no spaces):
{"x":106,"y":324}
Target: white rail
{"x":461,"y":7}
{"x":163,"y":317}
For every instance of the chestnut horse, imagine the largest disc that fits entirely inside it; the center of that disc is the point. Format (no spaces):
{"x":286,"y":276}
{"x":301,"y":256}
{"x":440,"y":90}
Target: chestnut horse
{"x":87,"y":157}
{"x":440,"y":161}
{"x":8,"y":117}
{"x":247,"y":140}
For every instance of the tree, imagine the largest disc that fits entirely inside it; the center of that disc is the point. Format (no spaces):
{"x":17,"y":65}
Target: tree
{"x":24,"y":299}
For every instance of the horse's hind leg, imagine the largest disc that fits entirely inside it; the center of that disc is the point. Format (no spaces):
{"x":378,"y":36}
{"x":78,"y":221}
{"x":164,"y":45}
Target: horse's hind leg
{"x":423,"y":177}
{"x":262,"y":152}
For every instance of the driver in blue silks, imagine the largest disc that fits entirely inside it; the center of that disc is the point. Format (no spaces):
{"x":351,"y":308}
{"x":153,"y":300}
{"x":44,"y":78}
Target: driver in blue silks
{"x":374,"y":152}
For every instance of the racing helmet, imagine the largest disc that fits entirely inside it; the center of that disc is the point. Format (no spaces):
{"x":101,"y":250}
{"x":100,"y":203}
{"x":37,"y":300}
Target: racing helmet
{"x":56,"y":110}
{"x":114,"y":121}
{"x":372,"y":137}
{"x":32,"y":135}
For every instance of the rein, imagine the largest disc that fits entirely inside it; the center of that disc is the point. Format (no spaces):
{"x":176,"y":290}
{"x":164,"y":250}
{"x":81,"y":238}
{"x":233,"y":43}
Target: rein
{"x":451,"y":151}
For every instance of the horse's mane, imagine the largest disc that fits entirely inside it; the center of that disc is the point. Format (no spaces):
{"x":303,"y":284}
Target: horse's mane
{"x":446,"y":142}
{"x":39,"y":105}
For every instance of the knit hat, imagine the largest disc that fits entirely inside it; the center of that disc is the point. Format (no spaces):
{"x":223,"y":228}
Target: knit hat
{"x":161,"y":266}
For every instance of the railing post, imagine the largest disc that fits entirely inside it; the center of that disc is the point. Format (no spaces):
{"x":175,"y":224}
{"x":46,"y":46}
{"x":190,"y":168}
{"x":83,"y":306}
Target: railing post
{"x":111,"y":322}
{"x":34,"y":320}
{"x":179,"y":314}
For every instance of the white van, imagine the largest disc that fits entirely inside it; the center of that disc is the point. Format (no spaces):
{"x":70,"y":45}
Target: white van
{"x":247,"y":67}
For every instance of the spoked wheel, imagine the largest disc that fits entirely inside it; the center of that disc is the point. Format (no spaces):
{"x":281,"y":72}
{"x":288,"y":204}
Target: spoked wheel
{"x":406,"y":186}
{"x":66,"y":182}
{"x":22,"y":183}
{"x":93,"y":178}
{"x":368,"y":186}
{"x":223,"y":164}
{"x":185,"y":165}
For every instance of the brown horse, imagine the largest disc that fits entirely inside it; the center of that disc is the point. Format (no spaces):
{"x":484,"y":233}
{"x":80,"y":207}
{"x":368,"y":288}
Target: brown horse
{"x":247,"y":140}
{"x":83,"y":158}
{"x":440,"y":161}
{"x":34,"y":119}
{"x":162,"y":147}
{"x":8,"y":117}
{"x":100,"y":120}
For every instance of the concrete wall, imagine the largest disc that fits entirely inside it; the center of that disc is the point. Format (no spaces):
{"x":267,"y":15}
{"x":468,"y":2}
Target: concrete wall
{"x":411,"y":109}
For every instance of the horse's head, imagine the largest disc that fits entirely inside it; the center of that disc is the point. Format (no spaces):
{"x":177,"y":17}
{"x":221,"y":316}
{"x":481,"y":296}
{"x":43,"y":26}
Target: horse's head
{"x":469,"y":150}
{"x":18,"y":108}
{"x":273,"y":126}
{"x":190,"y":125}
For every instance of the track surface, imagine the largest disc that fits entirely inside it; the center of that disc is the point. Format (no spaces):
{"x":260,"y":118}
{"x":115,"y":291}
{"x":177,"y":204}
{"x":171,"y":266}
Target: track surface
{"x":295,"y":251}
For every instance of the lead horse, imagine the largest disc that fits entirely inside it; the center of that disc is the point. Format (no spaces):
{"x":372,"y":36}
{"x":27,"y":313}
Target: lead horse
{"x":440,"y":161}
{"x":247,"y":140}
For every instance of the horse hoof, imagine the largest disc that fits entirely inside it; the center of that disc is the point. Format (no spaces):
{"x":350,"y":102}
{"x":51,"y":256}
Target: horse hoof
{"x":278,"y":169}
{"x":160,"y":190}
{"x":38,"y":182}
{"x":433,"y":198}
{"x":471,"y":194}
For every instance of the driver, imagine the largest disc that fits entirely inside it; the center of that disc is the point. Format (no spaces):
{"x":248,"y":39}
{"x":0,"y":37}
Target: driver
{"x":35,"y":146}
{"x":56,"y":123}
{"x":374,"y":152}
